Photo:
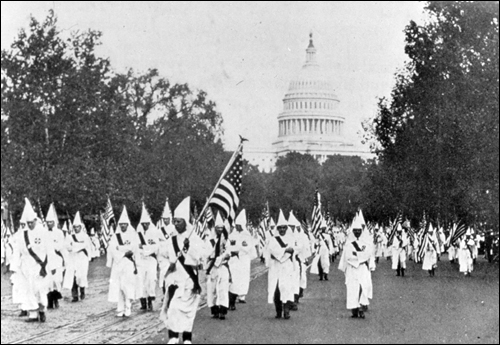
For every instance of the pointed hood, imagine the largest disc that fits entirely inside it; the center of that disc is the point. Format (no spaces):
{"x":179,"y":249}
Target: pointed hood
{"x":271,"y":222}
{"x":65,"y":227}
{"x":357,"y":223}
{"x":29,"y":213}
{"x":145,"y":217}
{"x":282,"y":220}
{"x":219,"y":221}
{"x":52,"y":215}
{"x":124,"y":219}
{"x":362,"y":218}
{"x":292,"y":220}
{"x":92,"y":232}
{"x":242,"y":219}
{"x":78,"y":220}
{"x":167,"y":212}
{"x":183,"y":211}
{"x":399,"y":228}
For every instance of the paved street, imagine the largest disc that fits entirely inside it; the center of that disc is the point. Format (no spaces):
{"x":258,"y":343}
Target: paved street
{"x":448,"y":308}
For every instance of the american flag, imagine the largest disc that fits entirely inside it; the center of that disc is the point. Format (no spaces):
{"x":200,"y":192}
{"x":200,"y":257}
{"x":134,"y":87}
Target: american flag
{"x":394,"y":225}
{"x":105,"y":233}
{"x":226,"y":196}
{"x":458,"y":231}
{"x":109,"y":215}
{"x":263,"y":229}
{"x":201,"y":227}
{"x":316,"y":215}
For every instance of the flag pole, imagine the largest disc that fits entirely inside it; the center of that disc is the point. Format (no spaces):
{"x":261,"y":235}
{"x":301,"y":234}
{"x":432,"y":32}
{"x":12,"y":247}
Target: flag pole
{"x":231,"y":161}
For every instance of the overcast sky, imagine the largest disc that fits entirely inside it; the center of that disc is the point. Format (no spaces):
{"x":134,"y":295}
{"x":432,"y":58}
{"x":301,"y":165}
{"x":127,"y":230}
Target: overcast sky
{"x":244,"y":54}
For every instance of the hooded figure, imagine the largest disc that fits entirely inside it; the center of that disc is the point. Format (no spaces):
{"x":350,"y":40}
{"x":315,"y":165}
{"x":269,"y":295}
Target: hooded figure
{"x":399,"y":251}
{"x":300,"y":259}
{"x":355,"y":261}
{"x":79,"y":247}
{"x":33,"y":262}
{"x":185,"y":254}
{"x":465,"y":253}
{"x":57,"y":279}
{"x":167,"y":229}
{"x":242,"y":247}
{"x":282,"y":275}
{"x":124,"y":282}
{"x":218,"y":274}
{"x":147,"y":263}
{"x":431,"y":248}
{"x":321,"y":265}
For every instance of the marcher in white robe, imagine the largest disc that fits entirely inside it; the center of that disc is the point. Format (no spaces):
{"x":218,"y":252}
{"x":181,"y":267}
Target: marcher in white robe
{"x":399,"y":248}
{"x":355,"y":265}
{"x":147,"y":265}
{"x":242,"y":247}
{"x":78,"y":246}
{"x":18,"y":281}
{"x":465,"y":254}
{"x":218,"y":274}
{"x":95,"y":247}
{"x":325,"y":251}
{"x":167,"y":229}
{"x":36,"y":262}
{"x":304,"y":253}
{"x":379,"y":244}
{"x":56,"y":284}
{"x":282,"y":249}
{"x":431,"y":252}
{"x":185,"y":254}
{"x":124,"y":249}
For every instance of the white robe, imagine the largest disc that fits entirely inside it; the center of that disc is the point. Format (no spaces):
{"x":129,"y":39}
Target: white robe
{"x":240,"y":265}
{"x":124,"y":283}
{"x":282,"y":269}
{"x":34,"y":292}
{"x":304,"y":254}
{"x":180,"y":316}
{"x":465,"y":256}
{"x":147,"y":263}
{"x":399,"y":247}
{"x":218,"y":280}
{"x":60,"y":259}
{"x":79,"y":248}
{"x":355,"y":265}
{"x":430,"y":257}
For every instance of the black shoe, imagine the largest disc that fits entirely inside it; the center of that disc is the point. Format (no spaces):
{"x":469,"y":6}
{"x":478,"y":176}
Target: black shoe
{"x":75,"y":299}
{"x":361,"y":314}
{"x":42,"y":317}
{"x":82,"y":294}
{"x":242,"y":301}
{"x":402,"y":272}
{"x":31,"y":320}
{"x":326,"y":277}
{"x":355,"y":313}
{"x":321,"y":278}
{"x":56,"y":304}
{"x":279,"y":316}
{"x":50,"y":300}
{"x":398,"y":272}
{"x":222,"y":317}
{"x":232,"y":308}
{"x":144,"y":306}
{"x":286,"y":312}
{"x":23,"y":313}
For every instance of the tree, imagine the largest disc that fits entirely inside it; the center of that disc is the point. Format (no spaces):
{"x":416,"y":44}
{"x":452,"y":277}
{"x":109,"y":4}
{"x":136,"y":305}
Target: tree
{"x":438,"y":135}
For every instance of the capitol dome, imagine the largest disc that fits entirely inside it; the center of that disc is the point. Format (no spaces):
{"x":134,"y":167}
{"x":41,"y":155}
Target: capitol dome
{"x":310,"y":121}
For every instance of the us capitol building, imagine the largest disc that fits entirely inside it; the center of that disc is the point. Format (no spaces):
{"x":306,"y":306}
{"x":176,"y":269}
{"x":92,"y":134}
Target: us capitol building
{"x":310,"y":122}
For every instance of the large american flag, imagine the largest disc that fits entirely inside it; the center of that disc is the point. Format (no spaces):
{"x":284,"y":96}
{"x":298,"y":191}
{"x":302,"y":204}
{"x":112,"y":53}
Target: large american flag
{"x":316,"y":215}
{"x":226,"y":197}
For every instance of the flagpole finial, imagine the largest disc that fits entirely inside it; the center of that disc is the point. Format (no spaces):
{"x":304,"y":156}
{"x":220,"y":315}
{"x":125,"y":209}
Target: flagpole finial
{"x":242,"y":139}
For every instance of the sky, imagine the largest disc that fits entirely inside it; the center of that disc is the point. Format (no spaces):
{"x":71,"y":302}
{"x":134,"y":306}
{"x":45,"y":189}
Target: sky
{"x":244,"y":54}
